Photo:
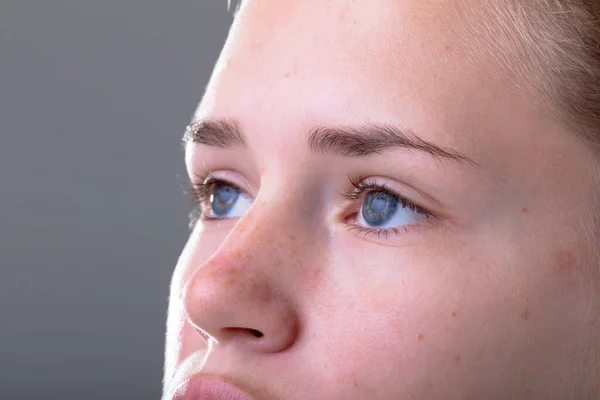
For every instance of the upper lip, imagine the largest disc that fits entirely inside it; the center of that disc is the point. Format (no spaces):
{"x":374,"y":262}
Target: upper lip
{"x":198,"y":385}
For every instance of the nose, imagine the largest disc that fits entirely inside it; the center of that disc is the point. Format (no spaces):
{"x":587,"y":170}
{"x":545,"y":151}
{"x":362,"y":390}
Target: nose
{"x":238,"y":297}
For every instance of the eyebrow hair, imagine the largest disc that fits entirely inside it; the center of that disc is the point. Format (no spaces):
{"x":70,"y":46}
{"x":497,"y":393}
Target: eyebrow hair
{"x":367,"y":139}
{"x":214,"y":132}
{"x":346,"y":141}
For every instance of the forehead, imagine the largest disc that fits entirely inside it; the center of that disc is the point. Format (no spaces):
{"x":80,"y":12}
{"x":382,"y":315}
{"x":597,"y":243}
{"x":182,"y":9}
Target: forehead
{"x":290,"y":63}
{"x":350,"y":50}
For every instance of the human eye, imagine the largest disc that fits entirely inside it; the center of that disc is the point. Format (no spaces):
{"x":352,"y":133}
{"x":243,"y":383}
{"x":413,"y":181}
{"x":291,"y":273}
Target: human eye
{"x":216,"y":199}
{"x":381,"y":211}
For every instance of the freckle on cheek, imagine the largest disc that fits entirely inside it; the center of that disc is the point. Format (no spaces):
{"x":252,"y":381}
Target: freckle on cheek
{"x":525,"y":315}
{"x":420,"y":337}
{"x":565,"y":263}
{"x":524,"y":210}
{"x":457,"y":358}
{"x":317,"y":272}
{"x":314,"y":276}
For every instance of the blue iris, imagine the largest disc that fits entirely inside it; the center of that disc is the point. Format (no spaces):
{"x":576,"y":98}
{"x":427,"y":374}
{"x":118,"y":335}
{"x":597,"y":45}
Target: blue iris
{"x":379,"y":208}
{"x":223,"y":199}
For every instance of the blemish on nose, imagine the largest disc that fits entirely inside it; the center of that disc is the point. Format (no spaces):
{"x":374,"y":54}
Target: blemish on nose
{"x":457,"y":358}
{"x":524,"y":210}
{"x":236,"y":253}
{"x":454,"y":313}
{"x":420,"y":337}
{"x":229,"y":282}
{"x":525,"y":315}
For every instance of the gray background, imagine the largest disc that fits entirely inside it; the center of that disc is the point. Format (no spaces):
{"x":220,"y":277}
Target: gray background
{"x":94,"y":97}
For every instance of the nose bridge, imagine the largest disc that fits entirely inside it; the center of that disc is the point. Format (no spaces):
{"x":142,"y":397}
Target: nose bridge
{"x":268,"y":237}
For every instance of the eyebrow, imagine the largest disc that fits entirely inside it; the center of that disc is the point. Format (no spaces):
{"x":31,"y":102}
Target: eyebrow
{"x":347,"y":141}
{"x":222,"y":133}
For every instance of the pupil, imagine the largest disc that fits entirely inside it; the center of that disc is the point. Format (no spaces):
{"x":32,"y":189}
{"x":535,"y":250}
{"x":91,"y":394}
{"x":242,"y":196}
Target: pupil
{"x":379,"y":204}
{"x":379,"y":208}
{"x":225,"y":195}
{"x":223,"y":199}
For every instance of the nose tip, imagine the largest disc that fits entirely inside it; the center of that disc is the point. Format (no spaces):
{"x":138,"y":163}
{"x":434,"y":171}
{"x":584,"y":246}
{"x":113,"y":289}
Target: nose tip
{"x":233,"y":306}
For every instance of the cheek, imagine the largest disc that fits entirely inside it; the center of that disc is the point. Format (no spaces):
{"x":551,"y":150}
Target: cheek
{"x":437,"y":325}
{"x":401,"y":316}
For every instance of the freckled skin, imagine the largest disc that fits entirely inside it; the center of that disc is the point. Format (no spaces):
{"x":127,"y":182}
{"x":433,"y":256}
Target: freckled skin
{"x":484,"y":308}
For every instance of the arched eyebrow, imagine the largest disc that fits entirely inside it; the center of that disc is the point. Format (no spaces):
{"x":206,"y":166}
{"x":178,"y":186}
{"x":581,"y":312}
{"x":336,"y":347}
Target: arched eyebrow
{"x":215,"y":132}
{"x":346,"y":141}
{"x":367,"y":139}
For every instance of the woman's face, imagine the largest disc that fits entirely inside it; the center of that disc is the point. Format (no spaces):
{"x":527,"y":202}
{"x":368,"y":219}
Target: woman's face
{"x":386,"y":214}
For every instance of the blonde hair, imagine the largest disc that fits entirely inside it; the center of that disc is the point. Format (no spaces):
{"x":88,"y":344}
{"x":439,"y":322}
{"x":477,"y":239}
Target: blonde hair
{"x":551,"y":49}
{"x":558,"y":51}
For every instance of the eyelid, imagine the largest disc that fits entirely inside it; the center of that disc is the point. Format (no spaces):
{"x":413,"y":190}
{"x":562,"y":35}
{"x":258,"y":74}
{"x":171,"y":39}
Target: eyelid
{"x":228,"y":176}
{"x":198,"y":192}
{"x":392,"y":235}
{"x":393,"y":187}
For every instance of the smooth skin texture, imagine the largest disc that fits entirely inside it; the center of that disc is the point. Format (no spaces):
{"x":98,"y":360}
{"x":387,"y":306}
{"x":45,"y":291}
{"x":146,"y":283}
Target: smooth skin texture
{"x":492,"y":299}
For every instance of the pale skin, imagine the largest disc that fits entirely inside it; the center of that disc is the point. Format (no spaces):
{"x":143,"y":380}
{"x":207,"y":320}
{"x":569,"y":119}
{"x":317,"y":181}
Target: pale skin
{"x":492,"y":299}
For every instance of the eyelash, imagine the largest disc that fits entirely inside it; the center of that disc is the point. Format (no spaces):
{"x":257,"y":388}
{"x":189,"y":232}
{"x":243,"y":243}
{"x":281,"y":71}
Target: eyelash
{"x":199,"y":192}
{"x":362,"y":186}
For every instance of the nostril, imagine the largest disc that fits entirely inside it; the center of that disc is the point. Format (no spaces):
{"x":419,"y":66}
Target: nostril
{"x":256,"y":333}
{"x":244,"y":331}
